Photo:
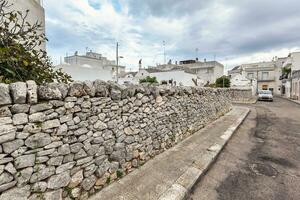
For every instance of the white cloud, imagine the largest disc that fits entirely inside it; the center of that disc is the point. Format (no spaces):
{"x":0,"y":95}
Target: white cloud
{"x":218,"y":27}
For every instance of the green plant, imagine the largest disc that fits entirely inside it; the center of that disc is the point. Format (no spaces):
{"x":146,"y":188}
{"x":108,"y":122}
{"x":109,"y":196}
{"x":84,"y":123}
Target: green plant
{"x":149,"y":79}
{"x":286,"y":71}
{"x":223,"y":81}
{"x":108,"y":180}
{"x":119,"y":174}
{"x":21,"y":57}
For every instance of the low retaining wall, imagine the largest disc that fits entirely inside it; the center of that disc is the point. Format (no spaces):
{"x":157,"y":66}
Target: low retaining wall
{"x":59,"y":140}
{"x":240,"y":95}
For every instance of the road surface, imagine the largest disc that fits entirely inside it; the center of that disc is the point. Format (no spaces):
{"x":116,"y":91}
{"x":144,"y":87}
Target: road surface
{"x":262,"y":160}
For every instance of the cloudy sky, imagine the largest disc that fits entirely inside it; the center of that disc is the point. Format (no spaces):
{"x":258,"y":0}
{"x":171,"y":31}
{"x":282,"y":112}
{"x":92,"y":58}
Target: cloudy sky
{"x":233,"y":31}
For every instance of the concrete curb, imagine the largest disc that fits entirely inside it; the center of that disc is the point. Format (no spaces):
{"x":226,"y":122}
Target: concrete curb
{"x":184,"y":184}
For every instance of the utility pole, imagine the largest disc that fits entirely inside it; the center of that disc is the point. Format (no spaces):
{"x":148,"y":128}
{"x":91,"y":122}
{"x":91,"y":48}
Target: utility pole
{"x":117,"y":61}
{"x":164,"y":44}
{"x":197,"y":53}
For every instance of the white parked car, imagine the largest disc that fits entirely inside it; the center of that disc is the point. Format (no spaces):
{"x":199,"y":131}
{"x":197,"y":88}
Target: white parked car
{"x":265,"y":95}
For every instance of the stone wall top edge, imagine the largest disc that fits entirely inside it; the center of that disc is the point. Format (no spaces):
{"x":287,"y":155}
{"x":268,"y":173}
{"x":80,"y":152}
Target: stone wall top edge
{"x":30,"y":93}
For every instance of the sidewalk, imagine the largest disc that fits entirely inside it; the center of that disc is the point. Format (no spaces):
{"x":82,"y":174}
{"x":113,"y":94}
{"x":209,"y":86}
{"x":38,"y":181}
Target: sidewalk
{"x":292,"y":100}
{"x":171,"y":174}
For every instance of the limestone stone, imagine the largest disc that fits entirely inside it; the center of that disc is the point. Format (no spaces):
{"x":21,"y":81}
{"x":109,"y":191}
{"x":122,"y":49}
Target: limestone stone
{"x":65,"y":167}
{"x":59,"y":181}
{"x":75,"y":148}
{"x":76,"y":179}
{"x":101,"y":88}
{"x":54,"y":145}
{"x":40,"y":107}
{"x":39,"y":187}
{"x":75,"y":193}
{"x":17,"y":193}
{"x":50,"y":124}
{"x":24,"y":161}
{"x":4,"y":95}
{"x":49,"y":92}
{"x":20,"y":118}
{"x":5,"y":120}
{"x":84,"y":160}
{"x":18,"y":92}
{"x":37,"y":117}
{"x":20,"y":108}
{"x":24,"y":175}
{"x":5,"y":178}
{"x":62,"y":130}
{"x":7,"y":137}
{"x":10,"y":147}
{"x":88,"y":182}
{"x":99,"y":125}
{"x":55,"y":161}
{"x":38,"y":140}
{"x":5,"y":111}
{"x":89,"y":88}
{"x":76,"y":89}
{"x":32,"y":97}
{"x":64,"y":149}
{"x":42,"y":174}
{"x":53,"y":195}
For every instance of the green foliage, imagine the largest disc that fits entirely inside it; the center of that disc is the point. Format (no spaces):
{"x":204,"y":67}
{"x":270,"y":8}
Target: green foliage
{"x":20,"y":56}
{"x":119,"y":174}
{"x":286,"y":71}
{"x":149,"y":79}
{"x":223,"y":81}
{"x":108,"y":180}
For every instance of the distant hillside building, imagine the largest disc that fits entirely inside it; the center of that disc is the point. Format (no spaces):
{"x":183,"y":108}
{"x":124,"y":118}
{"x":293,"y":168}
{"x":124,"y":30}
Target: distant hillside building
{"x":36,"y":13}
{"x":91,"y":66}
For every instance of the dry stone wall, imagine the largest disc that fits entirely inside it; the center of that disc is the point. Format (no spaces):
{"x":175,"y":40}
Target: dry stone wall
{"x":240,"y":95}
{"x":61,"y":141}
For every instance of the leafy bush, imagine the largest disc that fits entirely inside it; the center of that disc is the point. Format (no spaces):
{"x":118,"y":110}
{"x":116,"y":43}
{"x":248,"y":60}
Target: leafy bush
{"x":223,"y":81}
{"x":149,"y":79}
{"x":21,"y":58}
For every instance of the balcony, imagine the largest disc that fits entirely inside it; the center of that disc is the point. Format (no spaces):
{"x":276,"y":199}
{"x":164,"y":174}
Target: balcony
{"x":266,"y":79}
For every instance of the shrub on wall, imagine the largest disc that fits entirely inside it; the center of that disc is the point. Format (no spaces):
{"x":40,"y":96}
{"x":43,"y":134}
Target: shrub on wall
{"x":20,"y":56}
{"x":149,"y":79}
{"x":223,"y":81}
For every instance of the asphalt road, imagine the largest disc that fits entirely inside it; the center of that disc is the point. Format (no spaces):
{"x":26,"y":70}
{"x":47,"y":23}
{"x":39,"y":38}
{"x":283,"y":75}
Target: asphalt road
{"x":261,"y":161}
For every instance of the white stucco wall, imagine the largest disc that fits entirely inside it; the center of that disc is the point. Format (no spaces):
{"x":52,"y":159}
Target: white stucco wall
{"x":36,"y":12}
{"x":82,"y":73}
{"x":179,"y":76}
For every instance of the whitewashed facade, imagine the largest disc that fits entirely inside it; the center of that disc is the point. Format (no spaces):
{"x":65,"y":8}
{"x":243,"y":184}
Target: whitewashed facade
{"x":36,"y":13}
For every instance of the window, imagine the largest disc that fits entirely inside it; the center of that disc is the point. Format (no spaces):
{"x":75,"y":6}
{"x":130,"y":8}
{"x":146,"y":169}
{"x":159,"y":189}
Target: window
{"x":264,"y":87}
{"x":250,"y":75}
{"x":265,"y":75}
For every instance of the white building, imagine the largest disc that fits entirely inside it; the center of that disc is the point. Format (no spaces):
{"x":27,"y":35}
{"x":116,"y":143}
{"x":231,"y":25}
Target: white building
{"x":291,"y":84}
{"x":86,"y":72}
{"x":239,"y":81}
{"x":267,"y":74}
{"x":36,"y":12}
{"x":176,"y":76}
{"x":91,"y":66}
{"x":208,"y":71}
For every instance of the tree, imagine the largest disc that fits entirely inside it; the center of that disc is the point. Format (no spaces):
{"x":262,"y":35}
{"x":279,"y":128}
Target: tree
{"x":223,"y":81}
{"x":149,"y":79}
{"x":20,"y":57}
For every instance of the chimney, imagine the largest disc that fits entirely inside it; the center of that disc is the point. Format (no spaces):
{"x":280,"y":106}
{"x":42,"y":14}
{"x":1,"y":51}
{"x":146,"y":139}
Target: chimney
{"x":204,"y":59}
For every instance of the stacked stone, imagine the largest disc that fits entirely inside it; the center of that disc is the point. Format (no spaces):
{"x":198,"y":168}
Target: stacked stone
{"x":68,"y":141}
{"x":240,"y":94}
